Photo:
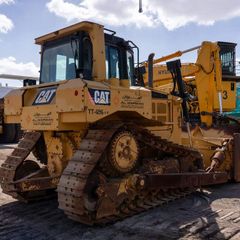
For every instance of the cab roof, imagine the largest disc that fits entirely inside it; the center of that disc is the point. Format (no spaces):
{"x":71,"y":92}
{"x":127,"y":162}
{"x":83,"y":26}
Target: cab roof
{"x":85,"y":25}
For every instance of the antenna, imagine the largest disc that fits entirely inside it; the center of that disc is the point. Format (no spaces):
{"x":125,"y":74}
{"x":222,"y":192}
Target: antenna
{"x":140,"y":6}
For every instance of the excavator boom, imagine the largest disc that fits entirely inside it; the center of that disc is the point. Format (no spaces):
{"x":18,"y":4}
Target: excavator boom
{"x":215,"y":91}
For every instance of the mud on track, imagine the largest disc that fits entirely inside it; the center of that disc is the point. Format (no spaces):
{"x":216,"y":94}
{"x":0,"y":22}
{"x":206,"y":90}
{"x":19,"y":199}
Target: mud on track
{"x":212,"y":215}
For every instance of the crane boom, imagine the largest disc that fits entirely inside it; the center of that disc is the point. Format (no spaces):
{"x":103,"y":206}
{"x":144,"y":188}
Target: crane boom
{"x":17,"y":77}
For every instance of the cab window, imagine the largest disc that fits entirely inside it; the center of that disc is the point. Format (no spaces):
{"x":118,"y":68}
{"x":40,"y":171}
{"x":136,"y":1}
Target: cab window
{"x":130,"y":66}
{"x":227,"y":60}
{"x":112,"y":62}
{"x":58,"y":63}
{"x":67,"y":58}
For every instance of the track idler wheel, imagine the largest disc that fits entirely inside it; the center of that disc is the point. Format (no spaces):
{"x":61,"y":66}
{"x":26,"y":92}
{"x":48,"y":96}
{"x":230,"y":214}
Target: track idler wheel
{"x":123,"y":154}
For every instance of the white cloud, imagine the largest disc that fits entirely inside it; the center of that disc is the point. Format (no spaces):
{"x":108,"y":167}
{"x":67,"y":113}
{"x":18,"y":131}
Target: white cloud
{"x":10,"y":65}
{"x":102,"y":11}
{"x":6,"y":1}
{"x":6,"y":24}
{"x":172,"y":14}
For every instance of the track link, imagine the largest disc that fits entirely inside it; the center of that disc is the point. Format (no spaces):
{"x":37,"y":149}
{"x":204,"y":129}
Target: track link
{"x":14,"y":161}
{"x":74,"y":180}
{"x":145,"y":136}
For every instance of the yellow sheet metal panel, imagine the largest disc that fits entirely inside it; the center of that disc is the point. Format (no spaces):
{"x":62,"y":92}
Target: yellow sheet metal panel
{"x":70,"y":96}
{"x":103,"y":100}
{"x":12,"y":118}
{"x":72,"y":117}
{"x":40,"y":118}
{"x":228,"y":96}
{"x":87,"y":26}
{"x":13,"y":104}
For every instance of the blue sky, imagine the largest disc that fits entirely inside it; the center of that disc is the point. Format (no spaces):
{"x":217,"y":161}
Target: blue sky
{"x":162,"y":28}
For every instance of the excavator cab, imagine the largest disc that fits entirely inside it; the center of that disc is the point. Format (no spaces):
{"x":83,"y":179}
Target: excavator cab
{"x":228,"y":57}
{"x":229,"y":77}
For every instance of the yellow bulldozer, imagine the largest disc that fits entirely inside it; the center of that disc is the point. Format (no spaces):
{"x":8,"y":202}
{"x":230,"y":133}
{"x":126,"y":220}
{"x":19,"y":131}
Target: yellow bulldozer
{"x":111,"y":147}
{"x":10,"y":133}
{"x":210,"y":86}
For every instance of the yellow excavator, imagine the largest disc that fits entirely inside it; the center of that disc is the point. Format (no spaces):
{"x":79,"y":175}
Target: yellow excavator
{"x":213,"y":76}
{"x":210,"y":89}
{"x":111,"y":147}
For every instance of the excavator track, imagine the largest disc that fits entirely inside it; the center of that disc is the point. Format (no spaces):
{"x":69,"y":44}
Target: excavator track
{"x":9,"y":168}
{"x":75,"y":180}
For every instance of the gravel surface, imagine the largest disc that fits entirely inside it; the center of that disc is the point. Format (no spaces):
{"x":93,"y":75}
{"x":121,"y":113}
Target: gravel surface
{"x":213,"y":214}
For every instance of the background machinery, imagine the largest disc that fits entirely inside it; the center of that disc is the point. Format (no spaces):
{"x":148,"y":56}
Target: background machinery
{"x":110,"y":147}
{"x":10,"y":133}
{"x":7,"y":131}
{"x":212,"y":78}
{"x":210,"y":87}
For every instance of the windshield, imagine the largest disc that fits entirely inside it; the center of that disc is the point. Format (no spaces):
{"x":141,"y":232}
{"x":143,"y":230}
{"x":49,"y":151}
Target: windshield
{"x":58,"y":62}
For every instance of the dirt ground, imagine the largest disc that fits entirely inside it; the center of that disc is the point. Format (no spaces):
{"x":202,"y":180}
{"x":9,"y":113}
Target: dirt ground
{"x":214,"y":214}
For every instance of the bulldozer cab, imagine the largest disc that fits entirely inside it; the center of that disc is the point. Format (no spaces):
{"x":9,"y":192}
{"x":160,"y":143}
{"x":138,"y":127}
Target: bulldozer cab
{"x":78,"y":54}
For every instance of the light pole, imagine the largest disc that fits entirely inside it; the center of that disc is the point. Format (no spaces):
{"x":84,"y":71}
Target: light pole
{"x":140,"y":6}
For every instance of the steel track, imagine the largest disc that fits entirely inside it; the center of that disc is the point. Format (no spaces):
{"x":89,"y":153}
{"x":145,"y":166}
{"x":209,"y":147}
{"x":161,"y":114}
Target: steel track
{"x":14,"y":161}
{"x":73,"y":183}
